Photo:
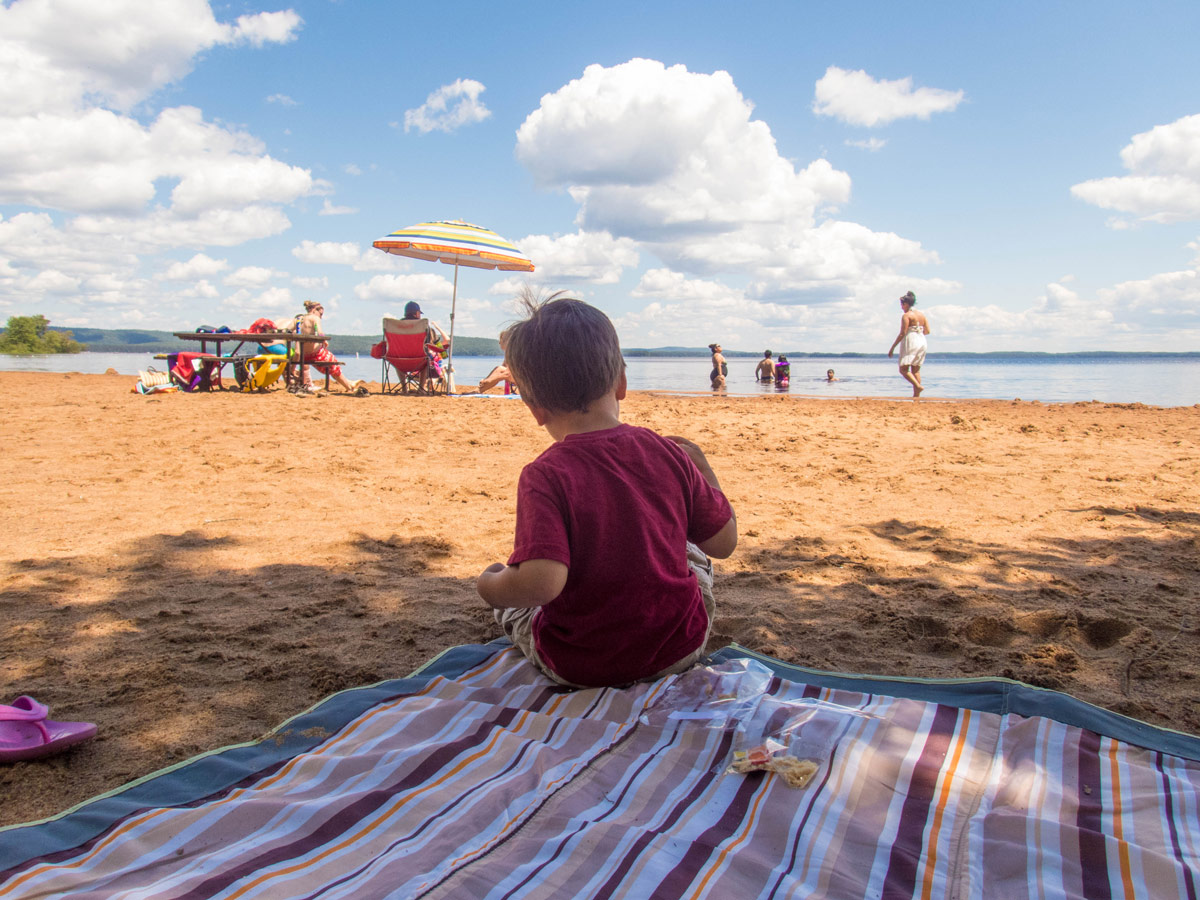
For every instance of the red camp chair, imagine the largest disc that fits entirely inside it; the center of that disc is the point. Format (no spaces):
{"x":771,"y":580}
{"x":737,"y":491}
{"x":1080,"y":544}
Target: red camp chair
{"x":403,"y":350}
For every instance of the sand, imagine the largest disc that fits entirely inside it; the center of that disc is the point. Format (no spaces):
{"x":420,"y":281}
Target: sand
{"x":189,"y":571}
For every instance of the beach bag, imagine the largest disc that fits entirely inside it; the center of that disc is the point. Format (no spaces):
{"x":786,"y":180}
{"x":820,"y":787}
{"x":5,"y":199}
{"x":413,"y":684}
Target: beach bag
{"x":152,"y":381}
{"x":153,"y":378}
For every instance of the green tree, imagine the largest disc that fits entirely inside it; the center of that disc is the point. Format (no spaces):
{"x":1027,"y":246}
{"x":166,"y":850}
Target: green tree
{"x":30,"y":334}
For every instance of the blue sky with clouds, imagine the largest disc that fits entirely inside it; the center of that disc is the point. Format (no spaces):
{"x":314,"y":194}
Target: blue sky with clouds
{"x":762,"y":174}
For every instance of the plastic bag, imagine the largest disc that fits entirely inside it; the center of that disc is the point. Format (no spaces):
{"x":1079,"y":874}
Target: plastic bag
{"x":792,"y":738}
{"x":714,"y":696}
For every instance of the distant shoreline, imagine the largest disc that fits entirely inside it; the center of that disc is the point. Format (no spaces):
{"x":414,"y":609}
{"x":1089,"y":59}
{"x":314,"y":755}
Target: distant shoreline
{"x":641,"y":353}
{"x":991,"y":354}
{"x":98,"y":340}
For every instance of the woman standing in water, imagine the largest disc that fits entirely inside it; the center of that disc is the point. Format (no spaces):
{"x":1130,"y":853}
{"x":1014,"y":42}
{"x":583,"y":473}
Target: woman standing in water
{"x":720,"y":368}
{"x":913,"y":328}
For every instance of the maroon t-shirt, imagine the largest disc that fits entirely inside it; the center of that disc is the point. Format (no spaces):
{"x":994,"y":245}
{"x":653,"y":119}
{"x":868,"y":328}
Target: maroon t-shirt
{"x":617,"y":507}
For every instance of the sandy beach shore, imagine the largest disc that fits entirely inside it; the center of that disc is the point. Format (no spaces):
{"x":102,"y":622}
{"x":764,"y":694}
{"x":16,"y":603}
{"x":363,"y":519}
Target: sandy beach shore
{"x":188,"y":571}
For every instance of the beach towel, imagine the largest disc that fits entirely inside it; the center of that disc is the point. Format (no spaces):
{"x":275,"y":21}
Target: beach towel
{"x":479,"y":778}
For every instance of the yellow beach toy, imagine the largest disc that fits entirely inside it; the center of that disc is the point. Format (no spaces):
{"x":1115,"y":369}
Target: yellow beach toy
{"x":263,"y":371}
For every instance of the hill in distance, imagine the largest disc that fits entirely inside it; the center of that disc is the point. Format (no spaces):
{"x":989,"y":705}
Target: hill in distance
{"x":123,"y":340}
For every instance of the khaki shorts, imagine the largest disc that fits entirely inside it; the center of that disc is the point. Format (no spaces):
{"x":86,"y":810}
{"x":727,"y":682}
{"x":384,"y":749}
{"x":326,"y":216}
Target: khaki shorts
{"x":518,"y":624}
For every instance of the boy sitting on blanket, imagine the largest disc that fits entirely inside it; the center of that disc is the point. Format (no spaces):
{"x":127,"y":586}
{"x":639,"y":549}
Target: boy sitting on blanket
{"x":608,"y":582}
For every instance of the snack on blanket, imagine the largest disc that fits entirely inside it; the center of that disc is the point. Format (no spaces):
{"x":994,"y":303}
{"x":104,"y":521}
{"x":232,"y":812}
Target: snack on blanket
{"x":794,"y":771}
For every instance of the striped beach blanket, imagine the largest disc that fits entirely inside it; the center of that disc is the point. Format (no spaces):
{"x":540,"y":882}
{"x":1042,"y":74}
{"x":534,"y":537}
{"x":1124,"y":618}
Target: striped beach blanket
{"x":477,"y":778}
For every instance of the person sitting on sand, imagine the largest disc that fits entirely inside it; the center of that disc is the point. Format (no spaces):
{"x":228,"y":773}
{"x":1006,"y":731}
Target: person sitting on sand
{"x":829,"y":376}
{"x":312,"y":352}
{"x":913,"y":328}
{"x":498,"y":374}
{"x":720,"y":368}
{"x":609,"y":581}
{"x":765,"y":371}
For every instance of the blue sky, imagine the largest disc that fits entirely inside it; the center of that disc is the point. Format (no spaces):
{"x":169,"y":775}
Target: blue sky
{"x":759,"y":174}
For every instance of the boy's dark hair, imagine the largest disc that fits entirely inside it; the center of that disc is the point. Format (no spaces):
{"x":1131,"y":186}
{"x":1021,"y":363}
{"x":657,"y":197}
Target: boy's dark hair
{"x":564,"y":355}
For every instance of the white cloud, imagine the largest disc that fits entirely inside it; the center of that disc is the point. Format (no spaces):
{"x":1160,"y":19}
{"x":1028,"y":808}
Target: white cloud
{"x":684,"y":312}
{"x":51,"y":281}
{"x":1162,"y":301}
{"x":126,"y":187}
{"x":873,"y":144}
{"x":36,"y":242}
{"x":1161,"y":312}
{"x":347,"y":253}
{"x":449,"y":108}
{"x":673,"y":160}
{"x":351,"y":169}
{"x":593,"y":257}
{"x":253,"y":306}
{"x":420,"y":287}
{"x":330,"y":210}
{"x":311,"y":283}
{"x":856,"y":98}
{"x":1163,"y":184}
{"x":202,"y":289}
{"x":61,"y":150}
{"x":160,"y":229}
{"x":56,"y":53}
{"x":263,"y":28}
{"x":252,"y":276}
{"x":282,"y":100}
{"x":199,"y":266}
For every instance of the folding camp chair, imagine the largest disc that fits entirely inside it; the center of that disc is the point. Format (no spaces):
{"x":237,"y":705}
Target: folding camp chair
{"x":403,"y":351}
{"x":260,"y":372}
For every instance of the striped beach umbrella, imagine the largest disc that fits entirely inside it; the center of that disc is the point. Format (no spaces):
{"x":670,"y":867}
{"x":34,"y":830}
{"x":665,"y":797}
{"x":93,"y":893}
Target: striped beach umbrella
{"x":455,"y":243}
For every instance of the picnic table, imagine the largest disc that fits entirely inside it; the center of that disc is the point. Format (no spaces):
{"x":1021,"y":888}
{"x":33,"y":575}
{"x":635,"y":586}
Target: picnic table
{"x":241,"y":338}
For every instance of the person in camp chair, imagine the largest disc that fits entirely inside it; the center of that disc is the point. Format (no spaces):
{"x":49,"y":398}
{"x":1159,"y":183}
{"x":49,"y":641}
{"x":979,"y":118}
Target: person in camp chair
{"x":310,"y":323}
{"x":434,"y":338}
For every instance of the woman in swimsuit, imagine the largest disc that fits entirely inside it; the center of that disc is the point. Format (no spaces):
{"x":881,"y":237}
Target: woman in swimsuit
{"x":913,"y":328}
{"x":720,"y":368}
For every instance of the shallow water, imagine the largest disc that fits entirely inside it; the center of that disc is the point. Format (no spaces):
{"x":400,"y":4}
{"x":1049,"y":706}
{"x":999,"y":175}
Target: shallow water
{"x":1157,"y":381}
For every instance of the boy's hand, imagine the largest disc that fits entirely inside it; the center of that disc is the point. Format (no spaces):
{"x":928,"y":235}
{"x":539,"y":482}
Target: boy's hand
{"x":722,"y":544}
{"x":697,"y":456}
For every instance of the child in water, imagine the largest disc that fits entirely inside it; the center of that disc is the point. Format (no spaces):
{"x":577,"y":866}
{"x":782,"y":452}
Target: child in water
{"x":783,"y":371}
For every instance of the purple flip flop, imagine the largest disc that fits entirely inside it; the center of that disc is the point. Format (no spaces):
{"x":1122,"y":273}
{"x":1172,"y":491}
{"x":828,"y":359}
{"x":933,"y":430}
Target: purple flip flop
{"x":26,"y":733}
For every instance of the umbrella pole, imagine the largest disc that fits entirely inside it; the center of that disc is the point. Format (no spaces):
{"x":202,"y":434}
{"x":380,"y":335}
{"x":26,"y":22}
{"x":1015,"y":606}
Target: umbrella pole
{"x":450,"y":389}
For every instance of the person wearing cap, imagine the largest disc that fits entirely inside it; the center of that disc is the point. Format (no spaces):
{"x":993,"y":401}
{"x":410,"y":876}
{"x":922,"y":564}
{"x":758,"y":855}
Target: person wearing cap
{"x":435,"y":337}
{"x":310,"y":323}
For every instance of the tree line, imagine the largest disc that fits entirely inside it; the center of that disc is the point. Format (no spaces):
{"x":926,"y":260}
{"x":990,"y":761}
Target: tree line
{"x":26,"y":335}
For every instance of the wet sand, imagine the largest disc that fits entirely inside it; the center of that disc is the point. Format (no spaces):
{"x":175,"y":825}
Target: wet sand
{"x":188,"y":571}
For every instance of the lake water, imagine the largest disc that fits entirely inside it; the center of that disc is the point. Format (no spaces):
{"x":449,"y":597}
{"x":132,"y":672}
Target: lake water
{"x":1156,"y":381}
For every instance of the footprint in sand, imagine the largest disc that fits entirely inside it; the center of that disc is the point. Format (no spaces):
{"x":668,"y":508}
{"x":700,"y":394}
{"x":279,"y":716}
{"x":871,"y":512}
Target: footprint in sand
{"x":990,"y":631}
{"x":1103,"y":633}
